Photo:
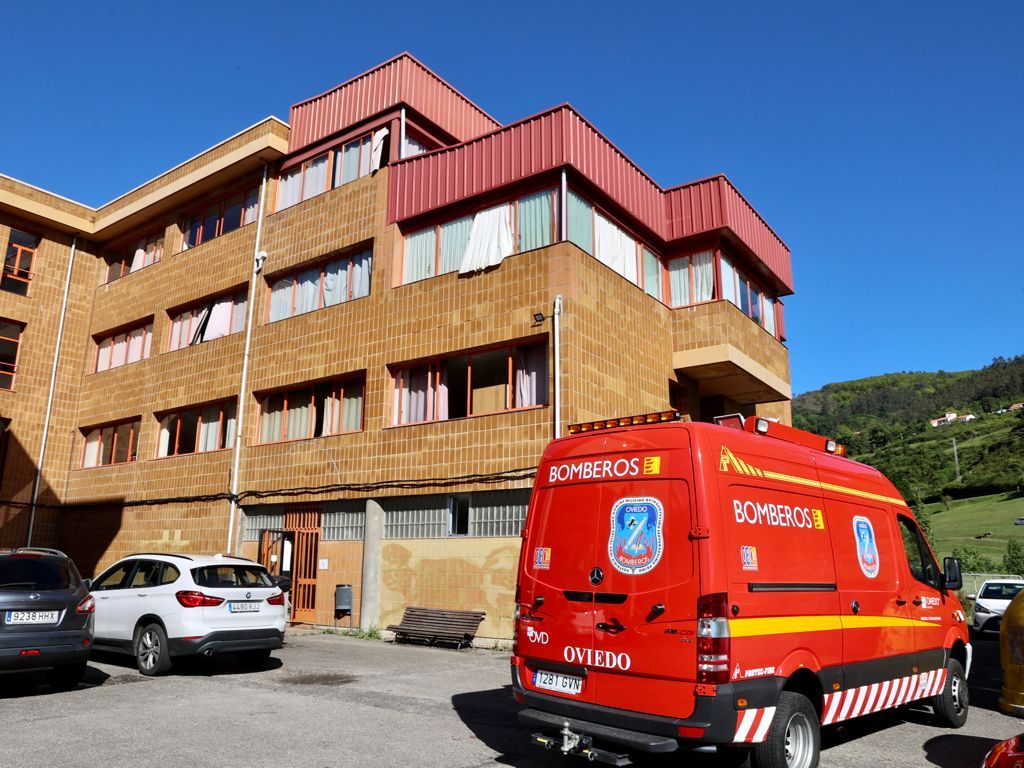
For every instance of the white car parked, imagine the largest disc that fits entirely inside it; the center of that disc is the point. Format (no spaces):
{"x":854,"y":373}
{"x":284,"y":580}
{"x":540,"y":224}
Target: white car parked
{"x":991,"y":601}
{"x":156,"y":607}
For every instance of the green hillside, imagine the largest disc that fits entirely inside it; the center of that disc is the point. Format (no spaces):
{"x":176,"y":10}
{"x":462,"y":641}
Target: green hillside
{"x":883,"y":421}
{"x":984,"y":523}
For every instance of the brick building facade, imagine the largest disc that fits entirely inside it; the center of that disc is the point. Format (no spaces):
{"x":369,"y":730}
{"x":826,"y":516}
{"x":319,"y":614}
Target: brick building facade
{"x":396,"y":263}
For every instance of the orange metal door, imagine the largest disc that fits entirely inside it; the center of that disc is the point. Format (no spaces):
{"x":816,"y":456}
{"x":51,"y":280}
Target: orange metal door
{"x":303,"y":520}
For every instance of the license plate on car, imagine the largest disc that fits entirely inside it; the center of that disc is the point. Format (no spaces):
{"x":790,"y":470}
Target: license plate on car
{"x":555,"y":681}
{"x":31,"y":617}
{"x":243,"y":607}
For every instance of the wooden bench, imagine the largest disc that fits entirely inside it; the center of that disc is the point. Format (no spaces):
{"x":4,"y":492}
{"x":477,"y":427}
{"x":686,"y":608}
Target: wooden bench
{"x":432,"y":625}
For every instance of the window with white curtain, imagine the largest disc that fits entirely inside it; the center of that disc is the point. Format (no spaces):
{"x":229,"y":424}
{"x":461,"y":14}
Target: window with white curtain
{"x":769,"y":314}
{"x":614,"y":248}
{"x":420,"y":255}
{"x":221,"y":216}
{"x":328,"y":408}
{"x":536,"y":219}
{"x":304,"y":181}
{"x":412,"y":147}
{"x":652,"y":273}
{"x":324,"y":285}
{"x":111,"y":444}
{"x":197,"y":430}
{"x":728,"y":280}
{"x":471,"y":383}
{"x":490,"y":239}
{"x":210,"y":320}
{"x":130,"y":346}
{"x":580,"y":215}
{"x":134,"y":256}
{"x":691,"y":279}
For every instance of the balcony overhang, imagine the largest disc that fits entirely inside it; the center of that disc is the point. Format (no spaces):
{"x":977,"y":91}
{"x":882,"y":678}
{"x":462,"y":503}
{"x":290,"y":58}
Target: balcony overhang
{"x":723,"y":369}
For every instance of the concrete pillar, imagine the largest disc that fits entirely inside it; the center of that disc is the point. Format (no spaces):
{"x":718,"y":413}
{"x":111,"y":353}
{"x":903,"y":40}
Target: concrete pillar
{"x":373,"y":537}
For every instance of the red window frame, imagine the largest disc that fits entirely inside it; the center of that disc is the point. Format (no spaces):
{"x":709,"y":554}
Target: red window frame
{"x":221,"y":419}
{"x":122,"y":254}
{"x":17,"y":254}
{"x":147,"y":343}
{"x":191,"y":309}
{"x":514,"y":224}
{"x":337,"y":392}
{"x":221,"y":204}
{"x":334,"y":154}
{"x":133,"y":441}
{"x":322,"y":264}
{"x":434,"y":383}
{"x":11,"y":369}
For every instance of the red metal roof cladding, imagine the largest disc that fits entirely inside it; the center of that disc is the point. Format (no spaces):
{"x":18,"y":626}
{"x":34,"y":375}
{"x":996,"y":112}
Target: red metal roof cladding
{"x":561,"y":137}
{"x":402,"y":80}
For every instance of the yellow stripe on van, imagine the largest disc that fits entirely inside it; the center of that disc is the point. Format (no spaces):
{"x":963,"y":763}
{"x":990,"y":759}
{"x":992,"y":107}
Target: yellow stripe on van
{"x":807,"y":482}
{"x":789,"y":625}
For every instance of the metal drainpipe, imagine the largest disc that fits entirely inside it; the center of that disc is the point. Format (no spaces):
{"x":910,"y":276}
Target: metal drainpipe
{"x":257,"y":265}
{"x":556,"y":314}
{"x":565,"y":206}
{"x":49,"y":398}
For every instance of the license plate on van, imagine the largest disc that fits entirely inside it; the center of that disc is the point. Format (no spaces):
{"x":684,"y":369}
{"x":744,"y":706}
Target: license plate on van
{"x":555,"y":681}
{"x":243,"y":607}
{"x":31,"y":617}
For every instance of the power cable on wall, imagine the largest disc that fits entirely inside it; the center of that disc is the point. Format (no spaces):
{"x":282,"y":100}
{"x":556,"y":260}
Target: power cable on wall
{"x":522,"y":473}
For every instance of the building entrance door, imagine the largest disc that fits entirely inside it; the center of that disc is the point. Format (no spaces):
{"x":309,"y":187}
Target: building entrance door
{"x":302,"y":522}
{"x":276,"y":549}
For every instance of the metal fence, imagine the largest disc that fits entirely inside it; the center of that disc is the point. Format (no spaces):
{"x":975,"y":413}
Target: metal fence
{"x":344,"y":520}
{"x":491,"y":513}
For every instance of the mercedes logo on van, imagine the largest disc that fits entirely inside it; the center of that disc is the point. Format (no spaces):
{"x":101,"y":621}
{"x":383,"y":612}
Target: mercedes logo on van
{"x":596,"y":576}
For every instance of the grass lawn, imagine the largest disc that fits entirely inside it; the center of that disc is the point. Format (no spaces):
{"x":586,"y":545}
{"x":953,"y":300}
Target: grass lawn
{"x":967,"y":518}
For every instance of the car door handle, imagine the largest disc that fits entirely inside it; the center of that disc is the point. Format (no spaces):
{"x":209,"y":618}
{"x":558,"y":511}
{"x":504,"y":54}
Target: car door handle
{"x":918,"y":602}
{"x":614,"y":628}
{"x":143,"y":594}
{"x":104,"y":597}
{"x":900,"y":602}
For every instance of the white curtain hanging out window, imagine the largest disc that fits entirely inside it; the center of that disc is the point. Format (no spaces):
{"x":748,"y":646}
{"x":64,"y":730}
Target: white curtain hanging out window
{"x":490,"y":240}
{"x":378,"y":148}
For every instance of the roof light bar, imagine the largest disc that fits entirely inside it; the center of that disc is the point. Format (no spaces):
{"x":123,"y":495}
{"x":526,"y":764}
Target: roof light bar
{"x":772,"y":428}
{"x":657,"y":417}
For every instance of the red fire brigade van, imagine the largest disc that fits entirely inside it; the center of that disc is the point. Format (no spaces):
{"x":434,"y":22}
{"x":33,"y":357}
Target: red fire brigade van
{"x":694,"y":586}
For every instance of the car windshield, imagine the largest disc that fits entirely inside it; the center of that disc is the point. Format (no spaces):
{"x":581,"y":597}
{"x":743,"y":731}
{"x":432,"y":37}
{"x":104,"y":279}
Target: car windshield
{"x":1001,"y":591}
{"x":231,"y":576}
{"x":35,"y":573}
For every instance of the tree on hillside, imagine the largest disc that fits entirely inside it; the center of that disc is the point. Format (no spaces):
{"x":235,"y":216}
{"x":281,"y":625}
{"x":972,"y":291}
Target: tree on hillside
{"x":972,"y":561}
{"x":1013,"y":560}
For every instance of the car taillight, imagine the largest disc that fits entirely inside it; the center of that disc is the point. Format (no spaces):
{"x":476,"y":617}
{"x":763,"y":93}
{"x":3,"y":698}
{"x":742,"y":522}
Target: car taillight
{"x":277,"y":599}
{"x":88,"y":605}
{"x":515,"y":625}
{"x":713,"y":638}
{"x":189,"y":599}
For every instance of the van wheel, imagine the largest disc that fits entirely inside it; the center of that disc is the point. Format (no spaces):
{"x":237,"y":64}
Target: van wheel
{"x":952,"y":703}
{"x":794,"y":738}
{"x":152,"y":654}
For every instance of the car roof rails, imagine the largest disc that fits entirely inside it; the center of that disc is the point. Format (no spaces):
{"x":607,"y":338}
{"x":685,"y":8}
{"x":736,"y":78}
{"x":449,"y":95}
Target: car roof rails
{"x":44,"y":550}
{"x":159,"y":554}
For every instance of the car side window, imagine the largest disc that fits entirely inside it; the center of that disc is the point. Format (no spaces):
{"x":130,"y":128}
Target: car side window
{"x":113,"y":578}
{"x":169,"y":575}
{"x":922,"y":565}
{"x":145,"y":575}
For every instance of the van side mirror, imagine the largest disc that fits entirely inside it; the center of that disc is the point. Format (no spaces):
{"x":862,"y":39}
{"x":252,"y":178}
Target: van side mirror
{"x":952,"y":578}
{"x":283,"y":582}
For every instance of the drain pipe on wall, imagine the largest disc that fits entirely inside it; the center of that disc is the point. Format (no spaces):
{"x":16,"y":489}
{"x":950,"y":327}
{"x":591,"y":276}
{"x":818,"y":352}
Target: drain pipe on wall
{"x":258,"y":257}
{"x":49,"y":398}
{"x":556,"y":315}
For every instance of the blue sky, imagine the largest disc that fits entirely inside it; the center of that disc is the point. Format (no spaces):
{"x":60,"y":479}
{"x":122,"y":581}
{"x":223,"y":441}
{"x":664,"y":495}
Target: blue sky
{"x":882,"y":141}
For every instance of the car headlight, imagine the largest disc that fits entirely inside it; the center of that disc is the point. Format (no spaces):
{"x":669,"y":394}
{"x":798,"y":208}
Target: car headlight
{"x":979,"y":608}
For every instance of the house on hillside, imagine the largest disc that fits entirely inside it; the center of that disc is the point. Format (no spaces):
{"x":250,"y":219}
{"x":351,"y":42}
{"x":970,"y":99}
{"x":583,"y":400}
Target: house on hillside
{"x":942,"y":421}
{"x":966,"y":418}
{"x":1016,"y":407}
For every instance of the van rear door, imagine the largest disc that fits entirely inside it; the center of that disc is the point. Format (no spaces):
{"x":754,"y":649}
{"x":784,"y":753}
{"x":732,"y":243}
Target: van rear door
{"x":608,"y":549}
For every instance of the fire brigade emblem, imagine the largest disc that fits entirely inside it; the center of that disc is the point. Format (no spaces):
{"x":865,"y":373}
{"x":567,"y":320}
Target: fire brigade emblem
{"x":867,"y":549}
{"x":635,"y":543}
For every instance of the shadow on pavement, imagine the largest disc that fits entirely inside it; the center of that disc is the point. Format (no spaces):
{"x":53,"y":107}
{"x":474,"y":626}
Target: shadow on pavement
{"x":33,"y":683}
{"x":952,"y":750}
{"x":198,"y":666}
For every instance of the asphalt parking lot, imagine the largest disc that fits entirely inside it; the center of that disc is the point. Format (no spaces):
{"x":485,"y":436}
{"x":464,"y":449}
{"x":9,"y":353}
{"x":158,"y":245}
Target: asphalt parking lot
{"x":329,"y":701}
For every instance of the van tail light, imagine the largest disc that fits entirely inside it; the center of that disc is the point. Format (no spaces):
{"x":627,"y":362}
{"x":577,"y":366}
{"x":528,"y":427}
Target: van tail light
{"x":515,"y":625}
{"x":713,"y":638}
{"x":189,"y":599}
{"x":277,"y":599}
{"x":88,"y":605}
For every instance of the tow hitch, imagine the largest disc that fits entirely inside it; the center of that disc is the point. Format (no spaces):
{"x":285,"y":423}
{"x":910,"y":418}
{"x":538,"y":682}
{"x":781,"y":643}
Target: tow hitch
{"x":580,"y":745}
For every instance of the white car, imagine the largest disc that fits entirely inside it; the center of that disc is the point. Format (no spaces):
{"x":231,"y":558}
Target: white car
{"x":991,"y":601}
{"x":156,"y":607}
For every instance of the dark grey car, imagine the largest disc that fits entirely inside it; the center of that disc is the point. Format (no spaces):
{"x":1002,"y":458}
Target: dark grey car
{"x":46,"y":615}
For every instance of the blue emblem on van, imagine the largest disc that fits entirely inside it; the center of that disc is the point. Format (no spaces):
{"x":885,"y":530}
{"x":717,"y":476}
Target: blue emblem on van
{"x":635,"y":544}
{"x":867,"y":549}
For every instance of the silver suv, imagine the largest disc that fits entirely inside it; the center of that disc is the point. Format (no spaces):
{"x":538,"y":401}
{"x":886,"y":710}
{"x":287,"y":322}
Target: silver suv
{"x":46,"y":615}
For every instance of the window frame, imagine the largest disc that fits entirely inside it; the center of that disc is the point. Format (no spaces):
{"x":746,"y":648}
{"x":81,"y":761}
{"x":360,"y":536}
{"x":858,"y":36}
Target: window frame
{"x":321,"y":263}
{"x":398,"y":372}
{"x":20,"y":251}
{"x":221,"y":424}
{"x":514,"y":225}
{"x":220,"y":202}
{"x":157,"y":236}
{"x":133,"y":442}
{"x":147,"y":331}
{"x":925,"y":552}
{"x":191,"y":309}
{"x":13,"y":372}
{"x":334,"y":153}
{"x":337,"y":391}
